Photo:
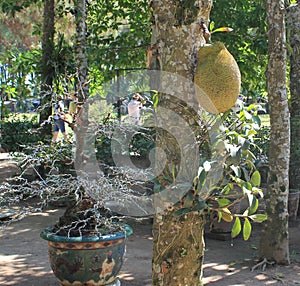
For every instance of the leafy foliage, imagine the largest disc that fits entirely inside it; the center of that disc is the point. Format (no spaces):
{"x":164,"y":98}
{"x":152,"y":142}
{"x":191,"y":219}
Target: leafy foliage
{"x":247,"y":42}
{"x":230,"y":175}
{"x":18,"y":78}
{"x":119,"y":34}
{"x":18,"y":133}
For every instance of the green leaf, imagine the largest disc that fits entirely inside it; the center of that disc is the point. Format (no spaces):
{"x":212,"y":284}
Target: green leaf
{"x":245,"y":145}
{"x":258,"y":217}
{"x":237,"y":227}
{"x":155,"y":99}
{"x":201,"y":205}
{"x":219,"y":216}
{"x":223,"y":202}
{"x":253,"y":202}
{"x":257,"y":120}
{"x":236,"y":170}
{"x":222,"y":29}
{"x":226,"y":215}
{"x":255,"y":179}
{"x":202,"y":177}
{"x":247,"y":229}
{"x":181,"y":212}
{"x":227,"y":189}
{"x":188,"y":200}
{"x":247,"y":186}
{"x":156,"y":188}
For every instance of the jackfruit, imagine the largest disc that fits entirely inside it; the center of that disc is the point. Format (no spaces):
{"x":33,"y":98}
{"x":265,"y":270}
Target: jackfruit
{"x":217,"y":78}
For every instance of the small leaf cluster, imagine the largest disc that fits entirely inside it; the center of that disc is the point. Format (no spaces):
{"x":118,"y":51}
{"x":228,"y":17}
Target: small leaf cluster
{"x":230,"y":176}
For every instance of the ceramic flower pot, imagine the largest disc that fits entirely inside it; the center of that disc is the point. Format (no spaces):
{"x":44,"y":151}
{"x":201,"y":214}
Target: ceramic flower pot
{"x":87,"y":261}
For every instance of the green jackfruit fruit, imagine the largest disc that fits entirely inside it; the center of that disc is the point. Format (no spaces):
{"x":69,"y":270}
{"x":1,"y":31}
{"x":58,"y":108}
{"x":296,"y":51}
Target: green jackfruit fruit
{"x":217,"y":78}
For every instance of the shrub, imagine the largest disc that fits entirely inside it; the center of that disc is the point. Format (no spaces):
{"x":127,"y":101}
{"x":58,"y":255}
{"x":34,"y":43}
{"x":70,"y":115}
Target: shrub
{"x":19,"y":132}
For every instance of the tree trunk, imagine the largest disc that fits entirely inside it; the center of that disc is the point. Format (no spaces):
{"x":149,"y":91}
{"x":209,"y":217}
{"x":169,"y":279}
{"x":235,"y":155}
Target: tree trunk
{"x":178,"y":240}
{"x":47,"y":69}
{"x":82,"y":83}
{"x":274,"y":244}
{"x":81,"y":56}
{"x":294,"y":41}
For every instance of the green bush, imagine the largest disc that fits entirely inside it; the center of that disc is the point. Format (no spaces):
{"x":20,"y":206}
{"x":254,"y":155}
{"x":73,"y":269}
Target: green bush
{"x":18,"y":133}
{"x":141,"y":143}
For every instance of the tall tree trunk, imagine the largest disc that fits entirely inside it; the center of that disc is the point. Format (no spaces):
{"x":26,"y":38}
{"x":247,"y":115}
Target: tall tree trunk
{"x":82,"y":79}
{"x":274,"y":244}
{"x":81,"y":56}
{"x":178,"y":240}
{"x":47,"y":69}
{"x":294,"y":41}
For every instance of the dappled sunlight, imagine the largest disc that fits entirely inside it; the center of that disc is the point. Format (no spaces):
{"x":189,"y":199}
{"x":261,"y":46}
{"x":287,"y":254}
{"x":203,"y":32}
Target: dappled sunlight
{"x":126,"y":276}
{"x":261,"y":277}
{"x":20,"y":231}
{"x":239,"y":274}
{"x":17,"y":269}
{"x":215,"y":272}
{"x":23,"y":256}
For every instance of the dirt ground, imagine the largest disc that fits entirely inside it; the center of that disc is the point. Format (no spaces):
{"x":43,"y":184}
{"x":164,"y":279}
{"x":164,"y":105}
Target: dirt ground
{"x":24,"y":261}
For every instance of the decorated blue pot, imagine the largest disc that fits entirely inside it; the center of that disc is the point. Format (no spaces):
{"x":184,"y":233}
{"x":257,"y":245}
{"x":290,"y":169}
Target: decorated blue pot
{"x":87,"y":261}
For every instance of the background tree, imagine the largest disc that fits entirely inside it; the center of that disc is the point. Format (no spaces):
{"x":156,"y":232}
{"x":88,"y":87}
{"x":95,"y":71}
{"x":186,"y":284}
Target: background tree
{"x":19,"y":51}
{"x":82,"y":81}
{"x":120,"y":38}
{"x":47,"y":65}
{"x":274,"y":243}
{"x":293,"y":18}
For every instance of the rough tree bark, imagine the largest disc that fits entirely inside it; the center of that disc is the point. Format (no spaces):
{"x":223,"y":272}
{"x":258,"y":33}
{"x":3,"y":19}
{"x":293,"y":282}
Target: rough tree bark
{"x":274,"y":244}
{"x":80,"y":52}
{"x":294,"y":41}
{"x":82,"y":78}
{"x":178,"y":241}
{"x":47,"y":69}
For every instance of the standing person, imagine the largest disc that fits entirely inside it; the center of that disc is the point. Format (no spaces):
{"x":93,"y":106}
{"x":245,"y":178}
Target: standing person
{"x":134,"y":106}
{"x":73,"y":108}
{"x":59,"y":118}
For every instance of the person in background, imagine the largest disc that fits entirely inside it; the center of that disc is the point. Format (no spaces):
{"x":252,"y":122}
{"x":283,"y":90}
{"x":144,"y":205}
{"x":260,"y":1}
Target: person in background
{"x":59,"y":118}
{"x":134,"y":107}
{"x":73,"y":108}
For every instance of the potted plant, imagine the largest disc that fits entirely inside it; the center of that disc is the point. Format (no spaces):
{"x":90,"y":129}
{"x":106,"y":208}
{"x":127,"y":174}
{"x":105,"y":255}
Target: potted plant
{"x":87,"y":244}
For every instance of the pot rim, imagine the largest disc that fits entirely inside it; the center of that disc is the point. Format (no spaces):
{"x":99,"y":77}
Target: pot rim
{"x":48,"y":234}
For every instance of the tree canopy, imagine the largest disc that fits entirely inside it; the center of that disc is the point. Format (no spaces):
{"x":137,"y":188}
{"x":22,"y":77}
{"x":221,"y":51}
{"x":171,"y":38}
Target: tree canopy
{"x":119,"y":34}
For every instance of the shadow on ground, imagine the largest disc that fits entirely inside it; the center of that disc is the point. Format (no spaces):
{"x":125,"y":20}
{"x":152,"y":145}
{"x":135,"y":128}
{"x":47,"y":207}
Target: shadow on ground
{"x":24,"y":260}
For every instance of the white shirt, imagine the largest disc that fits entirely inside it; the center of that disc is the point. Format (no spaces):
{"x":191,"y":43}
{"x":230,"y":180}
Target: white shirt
{"x":134,"y":111}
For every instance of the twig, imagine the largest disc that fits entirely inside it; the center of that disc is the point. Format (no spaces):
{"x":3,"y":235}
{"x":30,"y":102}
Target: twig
{"x":263,"y":264}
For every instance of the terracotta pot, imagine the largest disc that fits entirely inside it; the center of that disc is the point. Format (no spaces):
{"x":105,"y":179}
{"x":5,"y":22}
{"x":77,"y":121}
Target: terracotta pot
{"x":87,"y":261}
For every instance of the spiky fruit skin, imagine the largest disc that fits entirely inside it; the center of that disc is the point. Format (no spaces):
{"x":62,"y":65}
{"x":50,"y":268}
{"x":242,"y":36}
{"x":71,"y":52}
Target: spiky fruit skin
{"x":217,"y":78}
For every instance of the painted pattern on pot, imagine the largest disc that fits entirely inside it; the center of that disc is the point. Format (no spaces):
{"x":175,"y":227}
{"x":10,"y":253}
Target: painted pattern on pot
{"x":85,"y":263}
